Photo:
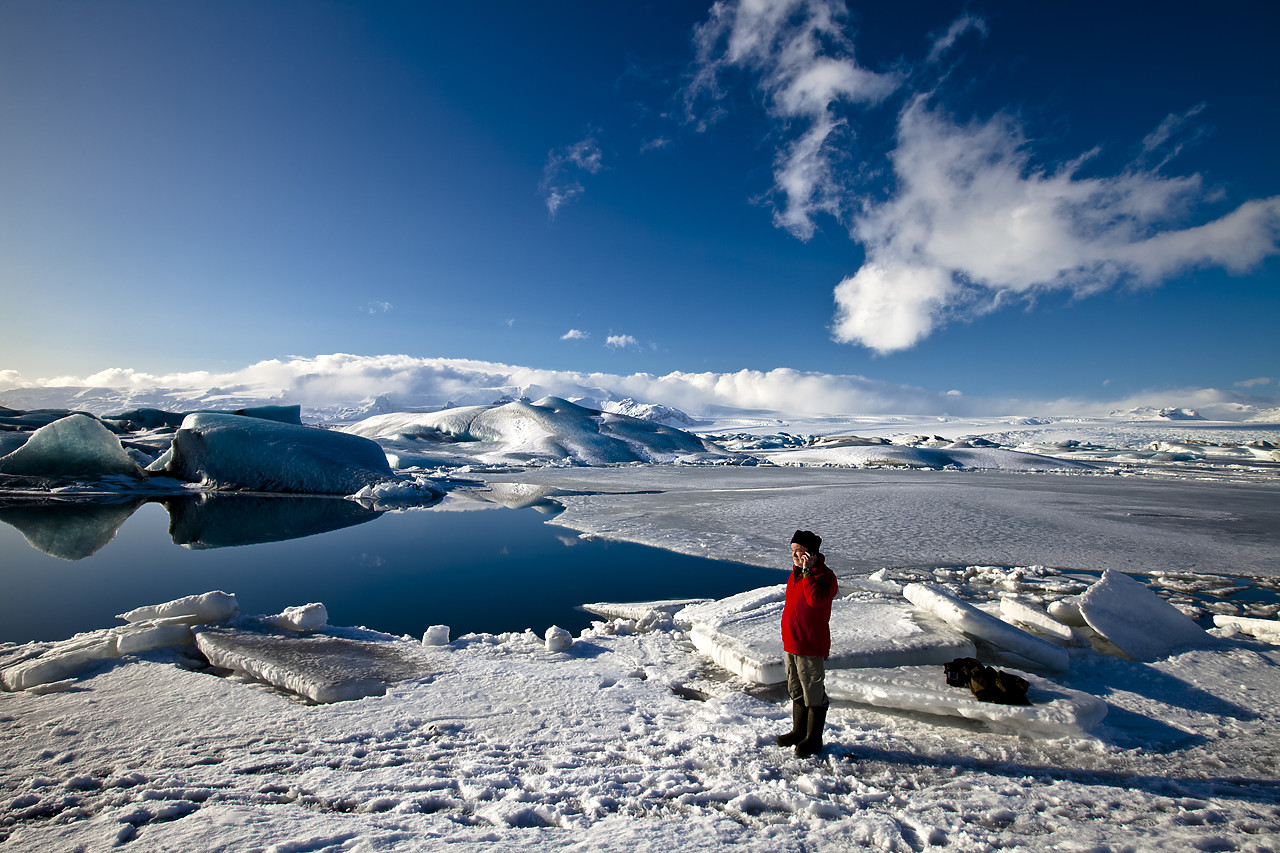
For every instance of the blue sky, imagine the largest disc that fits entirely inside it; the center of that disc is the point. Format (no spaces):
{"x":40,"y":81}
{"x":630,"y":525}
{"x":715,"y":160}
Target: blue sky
{"x":1031,"y":200}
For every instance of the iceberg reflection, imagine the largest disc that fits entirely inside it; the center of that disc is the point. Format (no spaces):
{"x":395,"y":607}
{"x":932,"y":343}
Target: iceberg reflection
{"x":219,"y":521}
{"x":65,"y":529}
{"x":74,"y":530}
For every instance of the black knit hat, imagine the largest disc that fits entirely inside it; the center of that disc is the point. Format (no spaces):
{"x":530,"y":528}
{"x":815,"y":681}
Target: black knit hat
{"x":809,"y":540}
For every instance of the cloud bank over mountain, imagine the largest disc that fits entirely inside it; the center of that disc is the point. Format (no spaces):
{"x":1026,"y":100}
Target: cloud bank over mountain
{"x":334,"y":383}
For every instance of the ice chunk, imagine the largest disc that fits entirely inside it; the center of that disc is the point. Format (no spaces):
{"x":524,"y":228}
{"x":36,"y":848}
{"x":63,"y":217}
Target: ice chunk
{"x":866,"y":630}
{"x":1264,"y":629}
{"x":436,"y":635}
{"x":1018,"y":611}
{"x":152,"y":634}
{"x":77,"y":445}
{"x":61,"y":660}
{"x":322,"y":666}
{"x":1055,"y":711}
{"x":1137,"y":621}
{"x":984,"y":626}
{"x":1067,"y":611}
{"x":306,"y":617}
{"x":214,"y":606}
{"x":557,"y":639}
{"x":66,"y":658}
{"x":235,"y":452}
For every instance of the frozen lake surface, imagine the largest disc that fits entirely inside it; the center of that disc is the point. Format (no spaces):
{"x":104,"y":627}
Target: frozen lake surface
{"x":466,"y":564}
{"x":875,"y":518}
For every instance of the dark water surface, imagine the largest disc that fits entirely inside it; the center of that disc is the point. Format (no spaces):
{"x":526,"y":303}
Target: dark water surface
{"x":473,"y":566}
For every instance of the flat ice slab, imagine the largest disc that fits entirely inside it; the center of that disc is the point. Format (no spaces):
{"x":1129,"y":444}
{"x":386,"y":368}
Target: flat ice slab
{"x":322,"y":666}
{"x":1137,"y":621}
{"x":1055,"y":711}
{"x":640,"y":609}
{"x":742,"y":633}
{"x":976,"y":623}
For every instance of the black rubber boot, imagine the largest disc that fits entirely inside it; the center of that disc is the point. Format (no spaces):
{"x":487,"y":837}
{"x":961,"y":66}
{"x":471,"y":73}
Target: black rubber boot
{"x":812,"y":743}
{"x":799,"y":725}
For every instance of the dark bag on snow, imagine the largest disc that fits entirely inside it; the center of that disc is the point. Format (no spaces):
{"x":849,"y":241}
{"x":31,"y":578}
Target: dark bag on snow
{"x":987,"y":684}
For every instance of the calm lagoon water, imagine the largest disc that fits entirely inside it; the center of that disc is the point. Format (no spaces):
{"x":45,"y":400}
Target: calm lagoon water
{"x":473,"y":566}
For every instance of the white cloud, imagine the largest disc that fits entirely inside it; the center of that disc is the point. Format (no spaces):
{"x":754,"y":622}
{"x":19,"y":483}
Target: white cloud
{"x":575,"y":335}
{"x":973,"y":223}
{"x":1163,"y":140}
{"x":621,"y":341}
{"x":805,"y":66}
{"x":10,"y":379}
{"x":1254,"y":383}
{"x":561,"y":175}
{"x":377,"y":307}
{"x":959,"y":27}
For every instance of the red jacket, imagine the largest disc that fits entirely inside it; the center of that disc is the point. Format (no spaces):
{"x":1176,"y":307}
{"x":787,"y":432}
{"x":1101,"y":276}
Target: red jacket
{"x":806,"y":616}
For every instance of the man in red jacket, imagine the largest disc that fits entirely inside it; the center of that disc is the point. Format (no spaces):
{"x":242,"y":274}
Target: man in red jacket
{"x":806,"y":639}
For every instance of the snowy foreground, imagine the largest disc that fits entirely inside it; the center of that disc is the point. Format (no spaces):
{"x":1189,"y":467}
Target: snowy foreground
{"x":645,"y":731}
{"x":629,"y":739}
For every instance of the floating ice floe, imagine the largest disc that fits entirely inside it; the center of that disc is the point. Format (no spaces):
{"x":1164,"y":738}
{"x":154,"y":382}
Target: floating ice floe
{"x":974,"y":622}
{"x":1263,"y":629}
{"x":235,"y":452}
{"x":741,"y":633}
{"x":76,"y":445}
{"x":1135,"y":620}
{"x":328,"y":665}
{"x":1055,"y":711}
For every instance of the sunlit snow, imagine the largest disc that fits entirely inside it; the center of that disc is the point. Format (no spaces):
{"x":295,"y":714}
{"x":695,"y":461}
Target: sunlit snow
{"x":190,"y":726}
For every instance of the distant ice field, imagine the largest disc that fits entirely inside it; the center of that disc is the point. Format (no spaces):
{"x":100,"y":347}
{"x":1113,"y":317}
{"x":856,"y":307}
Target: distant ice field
{"x":876,"y":518}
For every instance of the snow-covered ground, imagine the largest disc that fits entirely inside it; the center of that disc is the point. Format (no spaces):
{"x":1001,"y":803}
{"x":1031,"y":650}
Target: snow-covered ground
{"x":632,"y":742}
{"x":632,"y":738}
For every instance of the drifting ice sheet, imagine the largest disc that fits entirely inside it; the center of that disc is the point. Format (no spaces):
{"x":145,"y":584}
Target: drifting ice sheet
{"x":1137,"y":621}
{"x":323,"y":667}
{"x":742,"y":634}
{"x":1055,"y":711}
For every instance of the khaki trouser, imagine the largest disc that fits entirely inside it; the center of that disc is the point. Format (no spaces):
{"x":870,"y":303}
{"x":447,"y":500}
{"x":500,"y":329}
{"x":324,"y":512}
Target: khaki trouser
{"x":806,"y":680}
